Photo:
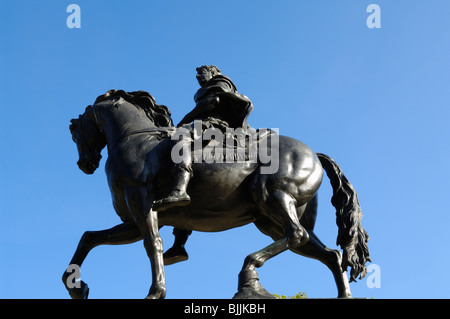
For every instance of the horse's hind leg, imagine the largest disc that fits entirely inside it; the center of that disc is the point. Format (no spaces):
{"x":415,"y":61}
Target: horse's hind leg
{"x":332,"y":258}
{"x":279,"y":208}
{"x":125,"y":233}
{"x":314,"y":248}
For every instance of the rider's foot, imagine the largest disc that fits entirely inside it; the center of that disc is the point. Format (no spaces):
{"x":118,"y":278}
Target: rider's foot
{"x":174,"y":255}
{"x":176,"y":198}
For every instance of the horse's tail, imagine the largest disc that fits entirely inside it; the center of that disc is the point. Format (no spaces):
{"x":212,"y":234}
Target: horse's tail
{"x":351,"y":236}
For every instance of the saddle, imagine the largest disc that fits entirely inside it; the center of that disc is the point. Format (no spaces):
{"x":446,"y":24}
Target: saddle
{"x":232,"y":146}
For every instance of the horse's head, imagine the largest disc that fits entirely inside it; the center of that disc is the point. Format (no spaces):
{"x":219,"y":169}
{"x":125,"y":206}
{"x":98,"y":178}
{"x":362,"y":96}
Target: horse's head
{"x":88,"y":135}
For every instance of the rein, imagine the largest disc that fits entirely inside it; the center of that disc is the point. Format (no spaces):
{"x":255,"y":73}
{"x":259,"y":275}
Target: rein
{"x":147,"y":130}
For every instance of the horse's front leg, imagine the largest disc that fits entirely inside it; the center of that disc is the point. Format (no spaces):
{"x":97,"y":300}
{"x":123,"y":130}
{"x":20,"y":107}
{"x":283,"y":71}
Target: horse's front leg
{"x":140,"y":202}
{"x":125,"y":233}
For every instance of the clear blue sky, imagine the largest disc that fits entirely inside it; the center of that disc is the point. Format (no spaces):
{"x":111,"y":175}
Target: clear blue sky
{"x":376,"y":100}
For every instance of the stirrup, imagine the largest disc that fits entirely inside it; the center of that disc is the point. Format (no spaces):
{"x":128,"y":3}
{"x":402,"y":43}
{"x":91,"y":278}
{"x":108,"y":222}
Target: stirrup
{"x":170,"y":202}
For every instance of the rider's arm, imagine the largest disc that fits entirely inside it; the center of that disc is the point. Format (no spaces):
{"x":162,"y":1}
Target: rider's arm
{"x":203,"y":107}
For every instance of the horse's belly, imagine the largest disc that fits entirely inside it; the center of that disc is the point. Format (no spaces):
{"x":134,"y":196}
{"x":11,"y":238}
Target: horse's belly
{"x":220,"y":199}
{"x":205,"y":220}
{"x":217,"y":182}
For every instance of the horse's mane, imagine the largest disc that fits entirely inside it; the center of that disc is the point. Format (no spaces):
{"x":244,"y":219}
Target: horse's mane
{"x":159,"y":114}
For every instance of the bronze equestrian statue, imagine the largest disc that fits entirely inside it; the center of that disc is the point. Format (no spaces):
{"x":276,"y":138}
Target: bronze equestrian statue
{"x":219,"y":196}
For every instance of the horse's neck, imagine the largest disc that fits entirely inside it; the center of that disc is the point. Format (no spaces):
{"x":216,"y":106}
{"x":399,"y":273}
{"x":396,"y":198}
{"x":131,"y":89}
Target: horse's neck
{"x":121,"y":121}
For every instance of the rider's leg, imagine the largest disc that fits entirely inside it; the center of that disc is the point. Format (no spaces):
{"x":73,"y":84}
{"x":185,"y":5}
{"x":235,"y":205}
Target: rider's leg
{"x":182,"y":173}
{"x":178,"y":197}
{"x":177,"y":252}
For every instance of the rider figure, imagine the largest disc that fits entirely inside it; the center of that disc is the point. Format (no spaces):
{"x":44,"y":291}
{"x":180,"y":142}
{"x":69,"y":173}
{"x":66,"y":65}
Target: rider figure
{"x":218,"y":105}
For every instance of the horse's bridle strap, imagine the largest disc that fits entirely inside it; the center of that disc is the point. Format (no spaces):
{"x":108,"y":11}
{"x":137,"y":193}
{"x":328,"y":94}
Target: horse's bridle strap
{"x":156,"y":130}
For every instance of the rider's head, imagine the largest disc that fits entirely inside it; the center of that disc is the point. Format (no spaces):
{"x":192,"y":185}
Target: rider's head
{"x":206,"y":73}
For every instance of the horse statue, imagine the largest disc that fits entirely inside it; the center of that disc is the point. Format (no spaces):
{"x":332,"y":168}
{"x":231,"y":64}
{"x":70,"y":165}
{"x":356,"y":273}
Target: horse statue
{"x":282,"y":205}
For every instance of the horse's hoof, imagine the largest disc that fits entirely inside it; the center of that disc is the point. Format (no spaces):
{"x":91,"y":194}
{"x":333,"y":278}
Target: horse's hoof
{"x":253,"y":290}
{"x":156,"y":293}
{"x":346,"y":295}
{"x":79,"y":293}
{"x":250,"y":288}
{"x":175,"y":255}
